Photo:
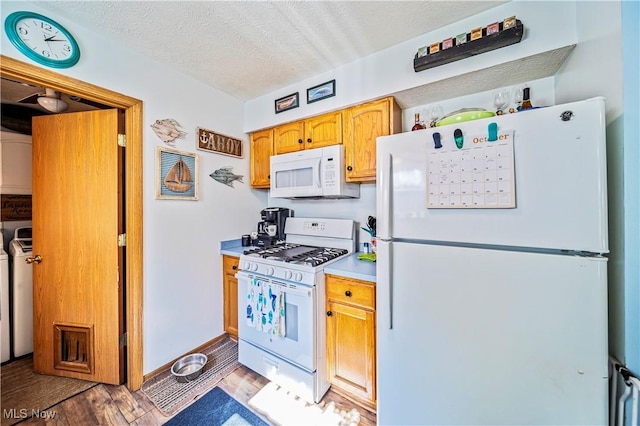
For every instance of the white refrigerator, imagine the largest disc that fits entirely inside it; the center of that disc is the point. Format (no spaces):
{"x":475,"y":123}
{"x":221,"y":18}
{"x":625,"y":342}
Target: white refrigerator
{"x":492,"y":271}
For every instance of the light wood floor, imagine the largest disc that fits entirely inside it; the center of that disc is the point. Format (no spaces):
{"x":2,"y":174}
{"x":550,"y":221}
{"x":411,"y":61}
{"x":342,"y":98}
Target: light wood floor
{"x":117,"y":405}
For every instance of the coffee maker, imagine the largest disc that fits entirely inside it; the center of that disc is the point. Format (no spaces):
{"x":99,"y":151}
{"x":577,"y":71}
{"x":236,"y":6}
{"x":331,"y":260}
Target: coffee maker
{"x":271,"y":226}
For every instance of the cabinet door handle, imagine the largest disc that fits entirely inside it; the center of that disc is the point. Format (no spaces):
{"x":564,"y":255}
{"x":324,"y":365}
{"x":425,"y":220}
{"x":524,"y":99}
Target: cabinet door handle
{"x":347,"y":293}
{"x":349,"y":168}
{"x":309,"y":140}
{"x":329,"y":313}
{"x":234,"y":267}
{"x":268,"y":176}
{"x":299,"y":140}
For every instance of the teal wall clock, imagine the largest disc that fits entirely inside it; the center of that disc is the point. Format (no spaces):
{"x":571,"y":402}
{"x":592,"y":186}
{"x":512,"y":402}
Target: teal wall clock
{"x":42,"y":39}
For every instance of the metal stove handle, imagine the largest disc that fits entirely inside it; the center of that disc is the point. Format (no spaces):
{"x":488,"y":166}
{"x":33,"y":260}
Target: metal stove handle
{"x":298,"y":289}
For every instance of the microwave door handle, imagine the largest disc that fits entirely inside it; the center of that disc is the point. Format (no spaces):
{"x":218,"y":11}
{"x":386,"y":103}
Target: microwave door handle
{"x":318,"y":175}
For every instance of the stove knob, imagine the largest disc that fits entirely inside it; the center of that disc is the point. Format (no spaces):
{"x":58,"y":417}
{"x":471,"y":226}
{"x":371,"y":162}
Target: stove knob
{"x":246,"y":265}
{"x":298,"y":276}
{"x":288,"y":274}
{"x":270,"y":270}
{"x":254,"y":266}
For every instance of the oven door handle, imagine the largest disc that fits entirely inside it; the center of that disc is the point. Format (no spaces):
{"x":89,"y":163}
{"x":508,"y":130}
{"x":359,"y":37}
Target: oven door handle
{"x":300,"y":290}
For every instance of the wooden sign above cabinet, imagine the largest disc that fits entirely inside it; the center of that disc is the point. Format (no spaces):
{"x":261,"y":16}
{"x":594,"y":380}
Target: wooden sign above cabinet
{"x":480,"y":40}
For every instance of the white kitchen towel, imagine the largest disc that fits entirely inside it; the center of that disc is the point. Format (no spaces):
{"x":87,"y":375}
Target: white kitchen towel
{"x":266,"y":307}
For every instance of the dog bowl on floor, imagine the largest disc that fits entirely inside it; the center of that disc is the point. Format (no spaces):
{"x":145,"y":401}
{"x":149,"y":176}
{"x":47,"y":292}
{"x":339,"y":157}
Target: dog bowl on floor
{"x":188,"y":367}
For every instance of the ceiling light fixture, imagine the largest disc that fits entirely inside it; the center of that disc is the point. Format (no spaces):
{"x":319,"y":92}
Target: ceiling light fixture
{"x":51,"y":101}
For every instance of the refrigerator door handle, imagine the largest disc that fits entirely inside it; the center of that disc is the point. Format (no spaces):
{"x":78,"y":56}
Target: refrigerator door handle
{"x":384,"y":286}
{"x":384,"y":208}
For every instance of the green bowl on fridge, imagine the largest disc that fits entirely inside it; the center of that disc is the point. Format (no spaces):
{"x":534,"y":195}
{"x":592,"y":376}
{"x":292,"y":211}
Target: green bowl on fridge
{"x":464,"y":115}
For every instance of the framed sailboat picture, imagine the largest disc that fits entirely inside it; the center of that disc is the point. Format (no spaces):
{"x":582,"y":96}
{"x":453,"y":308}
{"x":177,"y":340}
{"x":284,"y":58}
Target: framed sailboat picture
{"x":176,"y":174}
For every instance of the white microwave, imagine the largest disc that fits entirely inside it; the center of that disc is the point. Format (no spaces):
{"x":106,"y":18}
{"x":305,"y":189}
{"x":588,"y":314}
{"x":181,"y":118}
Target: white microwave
{"x":311,"y":173}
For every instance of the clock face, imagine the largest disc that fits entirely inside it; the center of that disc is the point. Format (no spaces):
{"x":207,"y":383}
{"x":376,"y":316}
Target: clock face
{"x":42,"y":39}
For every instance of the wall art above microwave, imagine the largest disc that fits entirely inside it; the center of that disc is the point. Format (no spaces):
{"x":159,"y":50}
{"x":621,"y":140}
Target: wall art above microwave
{"x":287,"y":103}
{"x":321,"y":91}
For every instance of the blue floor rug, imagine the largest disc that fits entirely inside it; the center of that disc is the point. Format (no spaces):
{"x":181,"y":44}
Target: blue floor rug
{"x":216,"y":408}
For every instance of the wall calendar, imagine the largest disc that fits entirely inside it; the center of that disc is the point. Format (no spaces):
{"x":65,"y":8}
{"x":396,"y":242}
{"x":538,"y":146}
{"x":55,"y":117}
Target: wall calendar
{"x":478,"y":176}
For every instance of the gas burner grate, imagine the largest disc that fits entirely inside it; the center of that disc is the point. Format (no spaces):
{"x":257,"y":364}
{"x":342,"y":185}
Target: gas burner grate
{"x":320,"y":256}
{"x":297,"y":254}
{"x":271,"y":252}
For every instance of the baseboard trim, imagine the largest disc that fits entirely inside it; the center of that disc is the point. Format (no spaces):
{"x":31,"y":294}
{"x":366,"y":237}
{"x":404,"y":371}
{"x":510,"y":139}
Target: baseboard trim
{"x":195,"y":350}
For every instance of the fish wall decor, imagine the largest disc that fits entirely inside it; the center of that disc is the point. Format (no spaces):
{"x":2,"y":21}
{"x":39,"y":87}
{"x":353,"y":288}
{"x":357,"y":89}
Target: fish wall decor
{"x":168,"y":130}
{"x":226,"y":176}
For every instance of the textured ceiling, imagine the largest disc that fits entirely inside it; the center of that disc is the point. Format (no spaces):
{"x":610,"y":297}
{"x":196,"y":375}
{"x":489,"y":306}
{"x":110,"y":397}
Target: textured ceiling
{"x":246,"y":48}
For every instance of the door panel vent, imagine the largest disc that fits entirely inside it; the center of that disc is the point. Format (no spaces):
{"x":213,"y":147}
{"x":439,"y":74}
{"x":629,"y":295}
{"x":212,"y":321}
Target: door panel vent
{"x":73,"y":348}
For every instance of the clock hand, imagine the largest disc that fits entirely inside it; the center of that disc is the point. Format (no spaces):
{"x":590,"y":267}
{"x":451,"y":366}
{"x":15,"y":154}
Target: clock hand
{"x":51,"y":39}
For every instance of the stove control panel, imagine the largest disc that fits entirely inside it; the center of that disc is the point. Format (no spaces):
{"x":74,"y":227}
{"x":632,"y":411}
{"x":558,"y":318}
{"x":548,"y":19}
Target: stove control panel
{"x":319,"y":227}
{"x":314,"y":226}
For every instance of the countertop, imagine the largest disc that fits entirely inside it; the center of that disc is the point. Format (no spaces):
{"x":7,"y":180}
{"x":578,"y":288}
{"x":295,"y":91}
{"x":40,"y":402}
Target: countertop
{"x":350,"y":266}
{"x":232,"y":247}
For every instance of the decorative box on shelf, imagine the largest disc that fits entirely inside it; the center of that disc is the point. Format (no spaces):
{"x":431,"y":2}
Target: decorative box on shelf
{"x":480,"y":40}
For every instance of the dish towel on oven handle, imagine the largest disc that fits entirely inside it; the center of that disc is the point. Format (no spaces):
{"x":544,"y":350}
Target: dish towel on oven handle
{"x":266,"y":307}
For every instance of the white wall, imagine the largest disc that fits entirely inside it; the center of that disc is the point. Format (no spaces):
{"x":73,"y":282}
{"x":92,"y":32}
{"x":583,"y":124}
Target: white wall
{"x":182,"y":267}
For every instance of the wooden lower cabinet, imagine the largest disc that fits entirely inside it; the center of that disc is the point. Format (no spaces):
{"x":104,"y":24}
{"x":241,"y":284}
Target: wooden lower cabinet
{"x":351,"y":338}
{"x":230,"y":294}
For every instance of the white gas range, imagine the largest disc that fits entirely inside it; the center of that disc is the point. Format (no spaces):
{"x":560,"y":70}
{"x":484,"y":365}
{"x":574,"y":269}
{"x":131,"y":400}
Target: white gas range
{"x":281,"y":304}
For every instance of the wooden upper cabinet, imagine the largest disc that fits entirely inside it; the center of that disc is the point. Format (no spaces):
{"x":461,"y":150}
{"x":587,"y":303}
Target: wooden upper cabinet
{"x":261,"y":149}
{"x":323,"y":130}
{"x":362,"y":125}
{"x":288,"y":138}
{"x":314,"y":132}
{"x":356,"y":127}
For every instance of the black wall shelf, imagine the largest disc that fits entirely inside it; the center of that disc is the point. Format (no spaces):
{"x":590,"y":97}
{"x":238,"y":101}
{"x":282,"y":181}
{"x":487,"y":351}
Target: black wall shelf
{"x":488,"y":43}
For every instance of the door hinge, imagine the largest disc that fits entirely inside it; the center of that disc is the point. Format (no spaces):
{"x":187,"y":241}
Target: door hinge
{"x":122,"y":240}
{"x":122,"y":140}
{"x":123,"y":340}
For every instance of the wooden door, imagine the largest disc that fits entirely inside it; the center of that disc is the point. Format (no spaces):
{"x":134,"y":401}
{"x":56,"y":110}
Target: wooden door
{"x":261,"y":149}
{"x":77,"y":217}
{"x":323,"y":130}
{"x":288,"y":138}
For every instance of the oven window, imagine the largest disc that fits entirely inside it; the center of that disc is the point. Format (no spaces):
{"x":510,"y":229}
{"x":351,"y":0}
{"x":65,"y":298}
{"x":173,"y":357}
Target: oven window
{"x":291,"y":321}
{"x":294,"y":178}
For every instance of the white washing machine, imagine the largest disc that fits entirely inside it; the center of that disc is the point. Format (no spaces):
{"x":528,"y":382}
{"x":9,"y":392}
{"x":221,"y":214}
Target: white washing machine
{"x":5,"y":343}
{"x":20,"y":249}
